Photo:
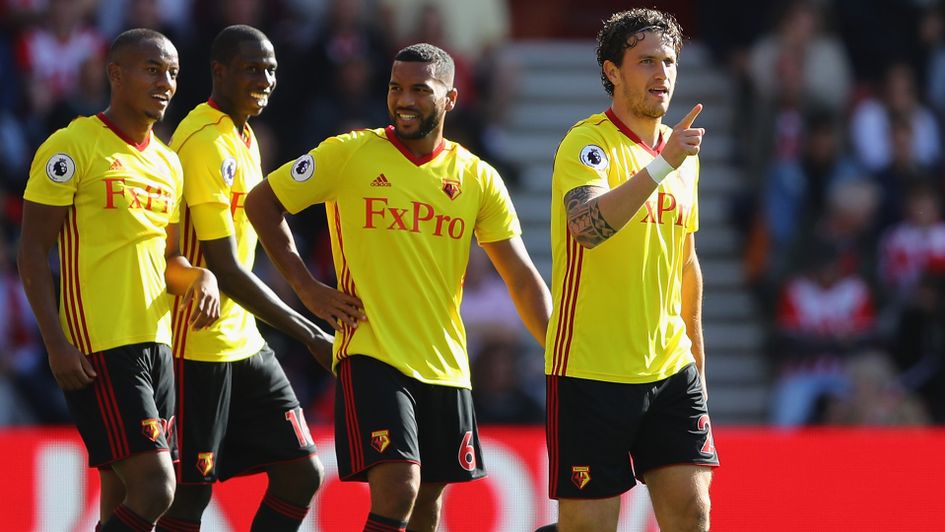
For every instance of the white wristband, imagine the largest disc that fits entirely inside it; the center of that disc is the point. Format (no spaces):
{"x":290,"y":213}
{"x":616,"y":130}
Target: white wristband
{"x":659,"y":169}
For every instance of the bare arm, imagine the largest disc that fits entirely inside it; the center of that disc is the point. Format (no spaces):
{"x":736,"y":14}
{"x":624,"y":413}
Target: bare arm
{"x":596,"y":214}
{"x":692,"y":305}
{"x":252,"y":294}
{"x":197,"y":285}
{"x":41,"y":226}
{"x":528,"y":290}
{"x":267,"y":215}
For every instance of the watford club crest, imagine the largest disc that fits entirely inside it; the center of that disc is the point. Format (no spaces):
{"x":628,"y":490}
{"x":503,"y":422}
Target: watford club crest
{"x":151,"y":428}
{"x":380,"y":439}
{"x":205,"y":463}
{"x":580,"y":476}
{"x":451,"y":188}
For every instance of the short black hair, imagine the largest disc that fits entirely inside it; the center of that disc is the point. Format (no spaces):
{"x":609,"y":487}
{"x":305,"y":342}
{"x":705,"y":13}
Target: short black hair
{"x":443,"y":66}
{"x":132,"y":37}
{"x":620,"y":30}
{"x":226,"y":44}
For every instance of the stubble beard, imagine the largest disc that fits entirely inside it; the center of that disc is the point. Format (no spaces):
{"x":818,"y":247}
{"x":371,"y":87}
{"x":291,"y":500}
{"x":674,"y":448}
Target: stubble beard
{"x":427,"y":125}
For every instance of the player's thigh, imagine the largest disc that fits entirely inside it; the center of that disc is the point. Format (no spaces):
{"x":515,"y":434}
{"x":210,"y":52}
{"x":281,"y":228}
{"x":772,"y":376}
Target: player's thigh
{"x":375,"y":420}
{"x":126,"y":410}
{"x":676,"y":427}
{"x":597,"y":515}
{"x":267,"y":425}
{"x":203,"y":415}
{"x":680,"y":494}
{"x":590,"y":427}
{"x":450,"y":450}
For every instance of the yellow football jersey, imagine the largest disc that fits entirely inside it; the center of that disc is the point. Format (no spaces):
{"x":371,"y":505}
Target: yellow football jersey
{"x":401,"y":228}
{"x":617,"y":307}
{"x":221,"y":166}
{"x":111,"y":248}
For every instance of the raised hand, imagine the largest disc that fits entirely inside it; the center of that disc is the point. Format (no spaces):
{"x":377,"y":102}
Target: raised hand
{"x":685,"y":140}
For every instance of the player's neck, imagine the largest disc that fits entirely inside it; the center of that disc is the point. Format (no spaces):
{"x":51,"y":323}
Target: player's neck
{"x":135,"y":126}
{"x":228,"y":108}
{"x":648,"y":129}
{"x":425,"y":146}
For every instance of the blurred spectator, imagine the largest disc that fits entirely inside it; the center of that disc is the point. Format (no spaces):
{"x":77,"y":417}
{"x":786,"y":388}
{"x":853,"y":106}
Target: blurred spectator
{"x":824,"y":315}
{"x":348,"y":33}
{"x":918,"y":344}
{"x":497,"y":386}
{"x":347,"y":40}
{"x":50,"y":56}
{"x":903,"y":173}
{"x":14,"y":143}
{"x":90,"y":96}
{"x":170,"y":17}
{"x":871,"y":123}
{"x":932,"y":36}
{"x":470,"y":26}
{"x":776,"y":130}
{"x":796,"y":188}
{"x":801,"y":35}
{"x":877,"y":32}
{"x":914,"y":247}
{"x":355,"y":102}
{"x":22,"y":358}
{"x":874,"y":396}
{"x":848,"y":226}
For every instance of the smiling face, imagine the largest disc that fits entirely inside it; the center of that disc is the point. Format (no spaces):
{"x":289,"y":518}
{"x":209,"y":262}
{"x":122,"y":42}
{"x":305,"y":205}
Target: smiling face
{"x":645,"y":80}
{"x":245,"y":84}
{"x":144,"y":77}
{"x":417,"y":101}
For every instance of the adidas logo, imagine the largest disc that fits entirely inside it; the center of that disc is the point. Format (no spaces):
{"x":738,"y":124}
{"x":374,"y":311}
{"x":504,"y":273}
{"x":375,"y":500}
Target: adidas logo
{"x":116,"y":164}
{"x":380,"y":181}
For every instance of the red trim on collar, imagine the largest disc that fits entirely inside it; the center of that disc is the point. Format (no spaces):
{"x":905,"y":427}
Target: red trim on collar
{"x":419,"y":161}
{"x":247,"y":138}
{"x":121,"y":134}
{"x":634,"y":137}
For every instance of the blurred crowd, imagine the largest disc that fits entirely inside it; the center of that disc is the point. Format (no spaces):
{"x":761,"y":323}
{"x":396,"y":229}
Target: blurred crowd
{"x":839,"y":108}
{"x":841,"y":113}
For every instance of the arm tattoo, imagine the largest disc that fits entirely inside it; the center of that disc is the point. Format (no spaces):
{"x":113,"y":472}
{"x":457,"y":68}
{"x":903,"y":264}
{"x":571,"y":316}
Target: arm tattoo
{"x":585,"y":221}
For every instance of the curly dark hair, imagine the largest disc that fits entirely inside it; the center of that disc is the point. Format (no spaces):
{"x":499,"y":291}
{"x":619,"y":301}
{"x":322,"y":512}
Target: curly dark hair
{"x":620,"y":32}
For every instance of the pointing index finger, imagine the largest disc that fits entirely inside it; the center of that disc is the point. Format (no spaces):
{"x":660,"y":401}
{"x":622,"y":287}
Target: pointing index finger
{"x":687,"y":120}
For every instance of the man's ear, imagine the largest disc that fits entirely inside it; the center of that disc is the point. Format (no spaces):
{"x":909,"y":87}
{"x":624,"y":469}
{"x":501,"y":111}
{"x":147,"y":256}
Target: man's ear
{"x":216,"y":69}
{"x":612,"y":71}
{"x":113,"y":72}
{"x":451,"y":98}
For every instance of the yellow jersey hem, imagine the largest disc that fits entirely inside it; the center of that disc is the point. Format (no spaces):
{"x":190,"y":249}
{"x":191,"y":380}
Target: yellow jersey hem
{"x":627,"y":379}
{"x":98,"y":347}
{"x":228,"y":357}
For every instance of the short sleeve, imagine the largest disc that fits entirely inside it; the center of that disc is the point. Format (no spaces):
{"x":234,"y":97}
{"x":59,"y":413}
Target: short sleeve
{"x":313,"y":177}
{"x":212,"y":221}
{"x":209,"y":169}
{"x":56,"y":170}
{"x":582,"y":159}
{"x":497,"y":219}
